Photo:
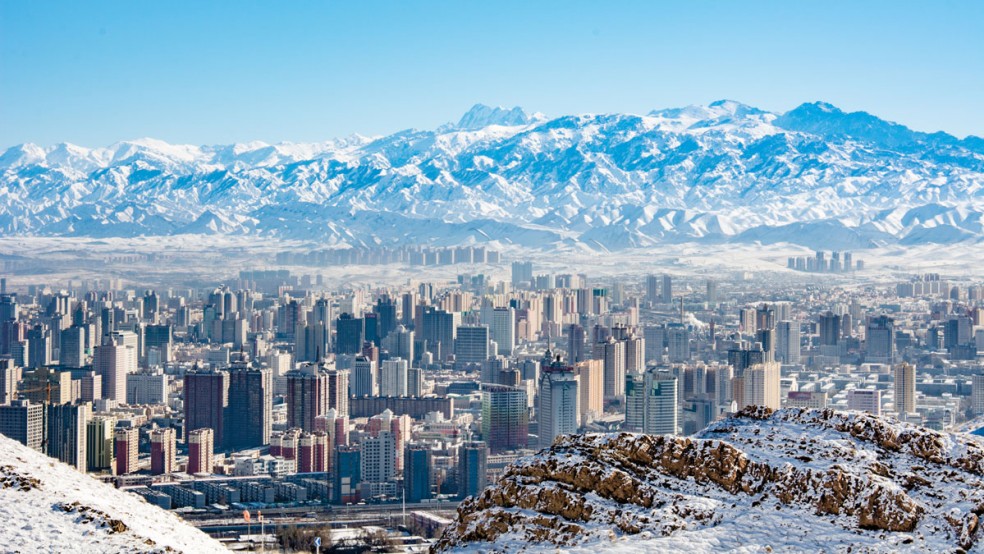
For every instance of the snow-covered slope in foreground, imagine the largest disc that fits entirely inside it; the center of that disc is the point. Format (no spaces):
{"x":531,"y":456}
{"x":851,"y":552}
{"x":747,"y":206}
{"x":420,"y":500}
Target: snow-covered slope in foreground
{"x":789,"y":481}
{"x":46,"y":506}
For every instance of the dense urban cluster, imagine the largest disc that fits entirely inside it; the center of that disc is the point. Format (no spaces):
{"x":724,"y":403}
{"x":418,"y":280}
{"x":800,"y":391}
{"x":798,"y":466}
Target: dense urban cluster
{"x":275,"y":391}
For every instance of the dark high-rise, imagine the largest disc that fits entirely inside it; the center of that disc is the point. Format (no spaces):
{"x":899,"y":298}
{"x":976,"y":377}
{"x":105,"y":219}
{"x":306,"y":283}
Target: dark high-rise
{"x":307,"y":396}
{"x":249,"y":418}
{"x":417,"y":473}
{"x":505,"y":417}
{"x":205,"y":403}
{"x":385,"y":311}
{"x":350,"y":334}
{"x":472,"y":466}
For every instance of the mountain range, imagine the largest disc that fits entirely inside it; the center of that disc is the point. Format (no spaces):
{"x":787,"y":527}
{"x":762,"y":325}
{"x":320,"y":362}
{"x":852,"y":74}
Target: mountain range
{"x":815,"y":176}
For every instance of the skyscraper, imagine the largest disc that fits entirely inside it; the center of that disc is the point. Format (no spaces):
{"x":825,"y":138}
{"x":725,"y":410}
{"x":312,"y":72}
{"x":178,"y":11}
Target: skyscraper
{"x":364,"y":377}
{"x":350,"y":334}
{"x":72,"y":351}
{"x":557,"y":406}
{"x":502,"y":328}
{"x":100,"y":454}
{"x":905,"y":389}
{"x":612,"y":353}
{"x":417,"y":473}
{"x":307,"y":396}
{"x":206,"y":401}
{"x":758,"y":385}
{"x":338,"y":391}
{"x":471,"y":346}
{"x":114,"y":359}
{"x":660,"y":403}
{"x":788,"y":342}
{"x":393,"y":377}
{"x":23,"y":421}
{"x":250,"y":417}
{"x":576,"y":344}
{"x":879,"y":340}
{"x":505,"y":417}
{"x":67,"y":433}
{"x":667,"y":292}
{"x":472,"y":468}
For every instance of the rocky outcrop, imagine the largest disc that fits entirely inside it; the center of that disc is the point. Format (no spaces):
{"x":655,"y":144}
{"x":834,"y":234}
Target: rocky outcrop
{"x":864,"y":475}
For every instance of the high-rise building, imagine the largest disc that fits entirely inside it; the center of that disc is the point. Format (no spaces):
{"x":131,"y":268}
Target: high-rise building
{"x":829,"y":329}
{"x":678,"y":342}
{"x":364,"y":381}
{"x":158,"y":344}
{"x":652,"y":289}
{"x":23,"y":421}
{"x":314,"y":452}
{"x":472,"y":468}
{"x":99,"y":451}
{"x":591,"y":384}
{"x":163,"y":450}
{"x":350,"y":334}
{"x":385,"y":311}
{"x":201,"y":449}
{"x":612,"y":354}
{"x":338,"y":391}
{"x":67,"y":433}
{"x":347,"y":474}
{"x":72,"y":351}
{"x":977,"y":394}
{"x":667,"y":292}
{"x":711,"y":294}
{"x":438,"y":328}
{"x":576,"y":351}
{"x":522,"y":274}
{"x":417,"y":473}
{"x":126,"y":449}
{"x":635,"y":402}
{"x":393,"y":377}
{"x":758,"y":385}
{"x":788,"y":342}
{"x":10,"y":375}
{"x":635,"y":353}
{"x":114,"y":360}
{"x":39,"y":346}
{"x":379,"y":457}
{"x":879,"y":338}
{"x":905,"y":389}
{"x":502,"y":328}
{"x":557,"y":403}
{"x":864,"y":400}
{"x":206,"y":401}
{"x":146,"y":387}
{"x":307,"y":396}
{"x":250,"y":413}
{"x":471,"y":346}
{"x":660,"y":403}
{"x":505,"y":417}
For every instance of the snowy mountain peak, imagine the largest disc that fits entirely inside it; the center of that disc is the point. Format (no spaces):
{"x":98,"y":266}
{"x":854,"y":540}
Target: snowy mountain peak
{"x":481,"y":116}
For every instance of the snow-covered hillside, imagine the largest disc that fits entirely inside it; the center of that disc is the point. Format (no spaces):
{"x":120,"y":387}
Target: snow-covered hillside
{"x":47,"y":506}
{"x":815,"y":176}
{"x":789,"y":481}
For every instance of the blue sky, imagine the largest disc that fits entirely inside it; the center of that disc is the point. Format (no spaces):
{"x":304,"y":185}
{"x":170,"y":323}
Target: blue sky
{"x":211,"y":72}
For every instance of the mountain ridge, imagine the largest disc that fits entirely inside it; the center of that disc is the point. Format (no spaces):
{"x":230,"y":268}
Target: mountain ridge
{"x":725,"y":172}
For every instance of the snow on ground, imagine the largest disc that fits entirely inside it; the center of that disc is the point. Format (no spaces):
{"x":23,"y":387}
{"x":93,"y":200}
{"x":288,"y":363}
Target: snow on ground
{"x":47,"y":506}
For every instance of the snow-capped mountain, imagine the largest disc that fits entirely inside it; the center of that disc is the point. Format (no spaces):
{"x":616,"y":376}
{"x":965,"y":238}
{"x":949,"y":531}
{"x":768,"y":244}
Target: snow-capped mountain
{"x":788,"y":481}
{"x":47,"y":506}
{"x":815,"y":176}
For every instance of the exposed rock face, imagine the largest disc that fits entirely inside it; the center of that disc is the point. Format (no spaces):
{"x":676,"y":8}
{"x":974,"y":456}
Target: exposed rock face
{"x":776,"y":480}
